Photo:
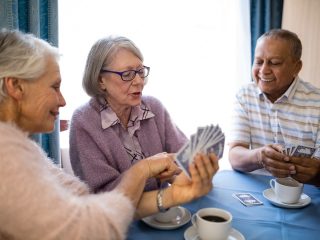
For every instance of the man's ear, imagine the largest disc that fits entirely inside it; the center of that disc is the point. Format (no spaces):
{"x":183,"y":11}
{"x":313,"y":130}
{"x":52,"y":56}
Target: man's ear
{"x":298,"y":68}
{"x":13,"y":87}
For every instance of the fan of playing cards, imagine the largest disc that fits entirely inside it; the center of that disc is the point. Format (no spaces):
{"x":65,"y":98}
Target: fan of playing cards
{"x":209,"y":139}
{"x":302,"y":151}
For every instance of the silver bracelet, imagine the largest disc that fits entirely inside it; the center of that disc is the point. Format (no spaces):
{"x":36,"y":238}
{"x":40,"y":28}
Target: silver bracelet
{"x":159,"y":201}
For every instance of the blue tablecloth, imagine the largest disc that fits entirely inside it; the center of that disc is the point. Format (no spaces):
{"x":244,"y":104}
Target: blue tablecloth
{"x":259,"y":222}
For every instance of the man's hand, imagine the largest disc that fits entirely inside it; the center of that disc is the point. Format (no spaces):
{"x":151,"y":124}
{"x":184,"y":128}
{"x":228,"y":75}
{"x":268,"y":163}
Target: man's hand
{"x":274,"y":161}
{"x":307,"y":169}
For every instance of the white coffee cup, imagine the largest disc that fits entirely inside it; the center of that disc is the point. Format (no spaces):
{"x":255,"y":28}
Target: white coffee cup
{"x":287,"y":190}
{"x":171,"y":215}
{"x":212,"y":223}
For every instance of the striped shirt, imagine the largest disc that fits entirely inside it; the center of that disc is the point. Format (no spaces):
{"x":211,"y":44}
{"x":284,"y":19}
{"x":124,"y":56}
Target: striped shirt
{"x":291,"y":120}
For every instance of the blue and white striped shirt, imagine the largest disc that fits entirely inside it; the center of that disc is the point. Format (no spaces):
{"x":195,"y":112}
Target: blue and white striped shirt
{"x":291,"y":120}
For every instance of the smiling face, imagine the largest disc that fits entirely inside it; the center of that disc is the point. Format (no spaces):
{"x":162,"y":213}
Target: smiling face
{"x":274,"y":67}
{"x":123,"y":94}
{"x":41,"y":100}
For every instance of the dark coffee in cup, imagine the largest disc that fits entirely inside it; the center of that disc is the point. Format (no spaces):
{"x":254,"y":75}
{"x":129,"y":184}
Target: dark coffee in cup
{"x":212,"y":223}
{"x":286,"y":182}
{"x":212,"y":218}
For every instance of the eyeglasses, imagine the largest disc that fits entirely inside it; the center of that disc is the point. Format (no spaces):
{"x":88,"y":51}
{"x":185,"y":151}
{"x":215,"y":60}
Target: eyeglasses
{"x":129,"y":75}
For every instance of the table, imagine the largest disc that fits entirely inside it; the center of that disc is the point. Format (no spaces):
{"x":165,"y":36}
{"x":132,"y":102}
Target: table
{"x":259,"y":222}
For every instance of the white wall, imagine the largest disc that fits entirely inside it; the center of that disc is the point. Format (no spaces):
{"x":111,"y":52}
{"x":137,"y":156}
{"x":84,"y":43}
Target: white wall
{"x":198,"y":51}
{"x":303,"y":18}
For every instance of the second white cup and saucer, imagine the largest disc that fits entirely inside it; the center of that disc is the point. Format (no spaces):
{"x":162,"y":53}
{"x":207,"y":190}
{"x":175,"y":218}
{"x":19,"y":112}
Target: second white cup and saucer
{"x":212,"y":224}
{"x":286,"y":193}
{"x":173,"y":218}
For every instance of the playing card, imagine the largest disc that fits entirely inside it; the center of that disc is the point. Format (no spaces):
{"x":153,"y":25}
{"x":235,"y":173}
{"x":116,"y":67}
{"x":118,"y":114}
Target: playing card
{"x":247,"y":199}
{"x":182,"y":158}
{"x":217,"y":148}
{"x":288,"y":150}
{"x":209,"y":139}
{"x":303,"y":151}
{"x":204,"y":137}
{"x":316,"y":154}
{"x":284,"y":151}
{"x":292,"y":148}
{"x":193,"y":142}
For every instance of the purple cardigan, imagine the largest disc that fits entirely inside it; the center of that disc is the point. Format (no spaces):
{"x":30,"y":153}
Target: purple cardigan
{"x":97,"y":155}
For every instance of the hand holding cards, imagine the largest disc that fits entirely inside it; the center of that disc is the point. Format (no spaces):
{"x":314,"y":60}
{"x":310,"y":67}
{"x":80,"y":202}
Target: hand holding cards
{"x":209,"y":139}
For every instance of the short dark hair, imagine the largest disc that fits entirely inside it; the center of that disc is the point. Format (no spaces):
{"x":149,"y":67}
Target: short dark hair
{"x":288,"y":36}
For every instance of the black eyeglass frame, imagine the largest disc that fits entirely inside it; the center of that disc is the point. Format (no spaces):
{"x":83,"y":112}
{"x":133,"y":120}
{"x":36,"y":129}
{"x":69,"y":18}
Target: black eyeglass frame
{"x":128,"y":71}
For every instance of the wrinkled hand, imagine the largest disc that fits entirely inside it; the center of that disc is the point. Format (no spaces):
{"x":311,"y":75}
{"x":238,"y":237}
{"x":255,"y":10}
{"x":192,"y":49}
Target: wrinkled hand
{"x":202,"y":171}
{"x":161,"y":166}
{"x":274,"y":161}
{"x":306,"y":168}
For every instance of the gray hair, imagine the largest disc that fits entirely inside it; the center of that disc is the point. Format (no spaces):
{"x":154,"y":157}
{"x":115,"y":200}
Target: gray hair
{"x":101,"y":55}
{"x":22,"y":56}
{"x":290,"y":37}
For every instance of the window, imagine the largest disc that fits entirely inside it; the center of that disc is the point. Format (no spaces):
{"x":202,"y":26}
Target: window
{"x":198,"y":51}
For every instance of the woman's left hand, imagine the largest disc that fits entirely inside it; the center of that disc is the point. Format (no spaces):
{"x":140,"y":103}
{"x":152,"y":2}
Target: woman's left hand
{"x":202,"y":171}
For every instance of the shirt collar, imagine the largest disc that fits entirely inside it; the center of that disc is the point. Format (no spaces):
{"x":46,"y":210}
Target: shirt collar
{"x":109,"y":117}
{"x":287,"y":96}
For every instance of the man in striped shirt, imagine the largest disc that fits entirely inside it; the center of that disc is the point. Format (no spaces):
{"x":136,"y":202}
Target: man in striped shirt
{"x":278,"y":109}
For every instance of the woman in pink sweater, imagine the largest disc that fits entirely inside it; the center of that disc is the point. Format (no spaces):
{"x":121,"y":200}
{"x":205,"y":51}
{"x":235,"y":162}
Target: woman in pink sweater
{"x":40,"y":201}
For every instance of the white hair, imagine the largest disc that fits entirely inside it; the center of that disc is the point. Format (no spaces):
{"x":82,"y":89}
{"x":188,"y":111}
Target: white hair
{"x":22,"y":56}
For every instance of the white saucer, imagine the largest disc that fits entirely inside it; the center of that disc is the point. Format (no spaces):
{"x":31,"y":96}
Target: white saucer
{"x":185,"y":218}
{"x":191,"y":234}
{"x":303,"y":201}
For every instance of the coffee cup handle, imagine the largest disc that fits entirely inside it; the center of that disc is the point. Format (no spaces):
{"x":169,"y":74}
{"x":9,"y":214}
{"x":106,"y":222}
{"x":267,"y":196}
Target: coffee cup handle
{"x":180,"y":212}
{"x":272,"y":183}
{"x":193,"y":220}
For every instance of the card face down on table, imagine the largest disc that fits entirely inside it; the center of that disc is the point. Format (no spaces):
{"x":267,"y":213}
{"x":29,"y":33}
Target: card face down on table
{"x":209,"y":139}
{"x":247,"y":199}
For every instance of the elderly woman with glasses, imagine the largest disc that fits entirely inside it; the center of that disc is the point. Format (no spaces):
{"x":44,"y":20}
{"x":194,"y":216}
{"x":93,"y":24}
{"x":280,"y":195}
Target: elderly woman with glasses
{"x":38,"y":199}
{"x":118,"y":126}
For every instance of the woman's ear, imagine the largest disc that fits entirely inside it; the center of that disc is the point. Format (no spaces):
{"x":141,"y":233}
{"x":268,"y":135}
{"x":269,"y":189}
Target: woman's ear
{"x":13,"y":87}
{"x":102,"y":85}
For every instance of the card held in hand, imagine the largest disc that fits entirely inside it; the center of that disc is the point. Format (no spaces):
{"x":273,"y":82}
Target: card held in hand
{"x":209,"y":139}
{"x":182,"y":158}
{"x":302,"y":151}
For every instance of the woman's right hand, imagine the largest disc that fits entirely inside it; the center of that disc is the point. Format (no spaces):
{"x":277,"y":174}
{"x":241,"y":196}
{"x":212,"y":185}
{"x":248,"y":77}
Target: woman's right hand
{"x":183,"y":189}
{"x":202,"y":170}
{"x":161,"y":166}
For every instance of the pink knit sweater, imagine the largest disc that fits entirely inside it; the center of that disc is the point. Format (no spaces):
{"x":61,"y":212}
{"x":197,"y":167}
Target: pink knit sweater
{"x":40,"y":201}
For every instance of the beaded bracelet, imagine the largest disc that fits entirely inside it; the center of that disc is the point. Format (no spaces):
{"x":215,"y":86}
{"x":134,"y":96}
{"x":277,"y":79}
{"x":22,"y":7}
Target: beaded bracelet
{"x":159,"y":200}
